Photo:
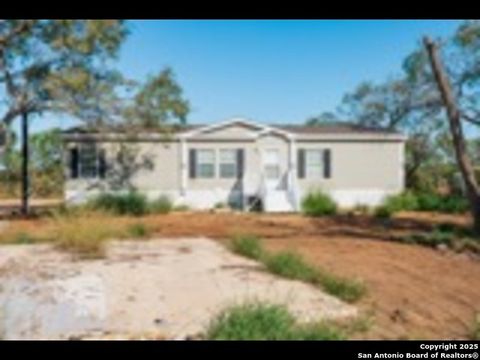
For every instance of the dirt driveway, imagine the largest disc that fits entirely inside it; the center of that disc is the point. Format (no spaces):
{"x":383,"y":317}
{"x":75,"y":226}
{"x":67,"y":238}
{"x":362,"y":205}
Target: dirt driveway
{"x":414,"y":291}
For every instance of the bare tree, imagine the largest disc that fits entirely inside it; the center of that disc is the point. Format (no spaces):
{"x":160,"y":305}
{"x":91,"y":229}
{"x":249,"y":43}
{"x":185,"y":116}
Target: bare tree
{"x":455,"y":121}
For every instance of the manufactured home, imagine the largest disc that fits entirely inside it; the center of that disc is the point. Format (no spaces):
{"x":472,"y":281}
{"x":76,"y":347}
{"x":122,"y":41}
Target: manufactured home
{"x":238,"y":162}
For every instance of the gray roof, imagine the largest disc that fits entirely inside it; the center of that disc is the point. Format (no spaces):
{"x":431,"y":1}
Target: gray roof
{"x":334,"y":128}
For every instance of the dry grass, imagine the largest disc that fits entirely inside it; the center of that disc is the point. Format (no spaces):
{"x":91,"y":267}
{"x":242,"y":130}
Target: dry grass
{"x":85,"y":235}
{"x":80,"y":231}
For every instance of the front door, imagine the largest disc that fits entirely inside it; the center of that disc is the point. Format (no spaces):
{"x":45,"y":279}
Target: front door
{"x":271,"y":167}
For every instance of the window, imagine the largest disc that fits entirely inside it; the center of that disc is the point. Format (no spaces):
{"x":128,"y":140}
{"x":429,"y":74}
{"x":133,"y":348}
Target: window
{"x":88,"y":161}
{"x":206,"y":163}
{"x":228,"y":163}
{"x":314,"y":163}
{"x":271,"y":163}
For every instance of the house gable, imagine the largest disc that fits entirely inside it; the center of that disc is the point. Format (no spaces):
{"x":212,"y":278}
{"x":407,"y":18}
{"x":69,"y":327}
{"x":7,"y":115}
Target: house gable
{"x":235,"y":129}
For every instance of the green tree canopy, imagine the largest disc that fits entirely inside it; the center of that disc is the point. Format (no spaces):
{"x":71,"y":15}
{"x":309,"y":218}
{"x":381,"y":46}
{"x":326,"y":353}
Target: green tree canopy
{"x":58,"y":66}
{"x":158,"y":102}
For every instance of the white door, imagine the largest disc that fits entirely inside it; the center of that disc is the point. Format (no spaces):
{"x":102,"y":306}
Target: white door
{"x":271,"y":167}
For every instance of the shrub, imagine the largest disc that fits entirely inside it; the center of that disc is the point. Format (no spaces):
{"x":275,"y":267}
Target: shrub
{"x":446,"y":227}
{"x":257,"y":321}
{"x":318,"y":204}
{"x":406,"y":201}
{"x":383,"y":212}
{"x":429,"y":201}
{"x":448,"y":204}
{"x":138,"y":230}
{"x":162,"y":205}
{"x":454,"y":204}
{"x":248,"y":246}
{"x":132,"y":203}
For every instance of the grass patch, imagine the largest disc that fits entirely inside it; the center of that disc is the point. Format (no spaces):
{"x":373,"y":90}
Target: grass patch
{"x":447,"y":234}
{"x":181,"y":208}
{"x":138,"y":230}
{"x":318,"y":204}
{"x":77,"y":235}
{"x":162,"y":205}
{"x":345,"y":289}
{"x":121,"y":204}
{"x":23,"y":238}
{"x":258,"y":321}
{"x":475,"y":332}
{"x":79,"y":231}
{"x":291,"y":265}
{"x":248,"y":246}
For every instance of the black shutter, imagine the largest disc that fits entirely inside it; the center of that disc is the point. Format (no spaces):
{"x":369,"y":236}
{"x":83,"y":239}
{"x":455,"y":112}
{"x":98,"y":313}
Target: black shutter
{"x":301,"y":163}
{"x":3,"y":137}
{"x":192,"y":164}
{"x":73,"y":163}
{"x":240,"y":163}
{"x":327,"y":163}
{"x":102,"y":164}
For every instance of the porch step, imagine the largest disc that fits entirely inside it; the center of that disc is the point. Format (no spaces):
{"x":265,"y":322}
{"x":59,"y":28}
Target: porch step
{"x":277,"y":201}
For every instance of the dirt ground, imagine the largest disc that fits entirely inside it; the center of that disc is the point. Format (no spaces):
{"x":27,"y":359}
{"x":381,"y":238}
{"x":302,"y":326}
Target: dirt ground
{"x":414,"y":292}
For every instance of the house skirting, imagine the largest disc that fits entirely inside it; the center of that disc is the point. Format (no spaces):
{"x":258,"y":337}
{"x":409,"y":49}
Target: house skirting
{"x":196,"y":199}
{"x":206,"y":199}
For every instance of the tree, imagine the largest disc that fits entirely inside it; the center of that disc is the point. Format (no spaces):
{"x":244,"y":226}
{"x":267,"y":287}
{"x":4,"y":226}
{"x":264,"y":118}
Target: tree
{"x":322,"y":119}
{"x":45,"y":164}
{"x":159,"y":102}
{"x":398,"y":105}
{"x":454,"y":114}
{"x":57,"y":66}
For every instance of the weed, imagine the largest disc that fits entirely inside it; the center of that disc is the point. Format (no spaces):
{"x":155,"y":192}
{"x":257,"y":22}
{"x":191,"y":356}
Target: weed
{"x":22,"y":238}
{"x":138,"y":230}
{"x":248,"y":246}
{"x":260,"y":321}
{"x":291,"y":266}
{"x":132,"y":203}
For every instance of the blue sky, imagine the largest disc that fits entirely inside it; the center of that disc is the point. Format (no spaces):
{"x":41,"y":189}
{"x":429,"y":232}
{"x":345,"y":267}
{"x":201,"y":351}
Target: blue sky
{"x":269,"y":71}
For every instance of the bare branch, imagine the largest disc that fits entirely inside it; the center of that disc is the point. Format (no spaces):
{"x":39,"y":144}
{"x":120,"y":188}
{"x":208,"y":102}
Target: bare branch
{"x":470,"y":119}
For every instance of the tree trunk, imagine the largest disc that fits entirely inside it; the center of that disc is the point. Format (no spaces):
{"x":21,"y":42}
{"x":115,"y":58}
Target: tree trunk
{"x":458,"y":137}
{"x":25,"y":160}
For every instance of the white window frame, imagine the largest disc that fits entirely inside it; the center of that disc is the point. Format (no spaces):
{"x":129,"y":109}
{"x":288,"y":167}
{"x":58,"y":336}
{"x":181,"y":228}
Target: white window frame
{"x":309,"y":174}
{"x":81,"y":148}
{"x":198,"y":164}
{"x":221,"y":162}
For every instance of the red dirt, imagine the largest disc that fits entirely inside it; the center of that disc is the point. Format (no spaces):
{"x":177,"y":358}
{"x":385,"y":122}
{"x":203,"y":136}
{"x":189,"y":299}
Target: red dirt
{"x":413,"y":291}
